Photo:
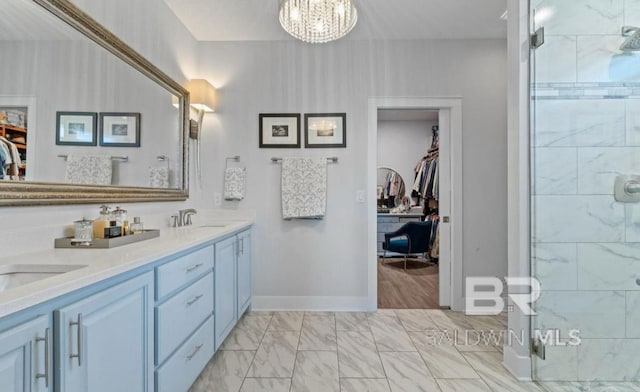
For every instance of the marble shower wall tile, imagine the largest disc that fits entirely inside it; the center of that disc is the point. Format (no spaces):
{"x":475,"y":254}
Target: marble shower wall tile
{"x":578,"y":219}
{"x":556,"y":60}
{"x":560,"y":364}
{"x":633,"y":120}
{"x":609,"y":359}
{"x":555,"y":171}
{"x":596,"y":314}
{"x":600,"y":60}
{"x":632,"y":12}
{"x":632,"y":222}
{"x":598,"y":168}
{"x":608,"y":266}
{"x":579,"y":123}
{"x":555,"y":266}
{"x":581,"y":17}
{"x":633,"y":314}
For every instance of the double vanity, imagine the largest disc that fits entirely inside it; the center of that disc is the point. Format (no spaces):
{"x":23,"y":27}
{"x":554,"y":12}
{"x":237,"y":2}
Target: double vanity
{"x":143,"y":317}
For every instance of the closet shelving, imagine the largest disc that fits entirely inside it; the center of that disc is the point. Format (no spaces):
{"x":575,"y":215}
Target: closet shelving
{"x":11,"y":133}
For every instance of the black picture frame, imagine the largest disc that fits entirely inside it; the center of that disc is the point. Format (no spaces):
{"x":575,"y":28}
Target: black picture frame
{"x":336,"y":135}
{"x":275,"y":132}
{"x":115,"y":129}
{"x":76,"y":128}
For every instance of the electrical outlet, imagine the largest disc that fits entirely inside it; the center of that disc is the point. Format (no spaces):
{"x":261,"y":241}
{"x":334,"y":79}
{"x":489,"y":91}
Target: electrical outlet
{"x":217,"y":199}
{"x":360,"y":196}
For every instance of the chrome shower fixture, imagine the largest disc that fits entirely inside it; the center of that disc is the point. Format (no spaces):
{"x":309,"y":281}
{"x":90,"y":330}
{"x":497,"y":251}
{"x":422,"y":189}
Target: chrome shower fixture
{"x":632,"y":43}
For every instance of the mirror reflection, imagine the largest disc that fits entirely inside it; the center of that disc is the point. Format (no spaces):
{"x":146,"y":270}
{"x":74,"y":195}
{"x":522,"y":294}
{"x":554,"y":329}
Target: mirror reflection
{"x":391,"y":189}
{"x":71,"y":112}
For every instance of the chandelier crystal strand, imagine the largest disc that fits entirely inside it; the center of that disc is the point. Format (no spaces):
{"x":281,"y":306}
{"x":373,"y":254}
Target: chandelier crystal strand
{"x":318,"y":21}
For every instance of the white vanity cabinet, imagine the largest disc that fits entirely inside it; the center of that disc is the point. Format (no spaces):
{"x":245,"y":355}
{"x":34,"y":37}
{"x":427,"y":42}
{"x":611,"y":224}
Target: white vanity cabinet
{"x":226,"y":286}
{"x":151,"y":328}
{"x":105,"y":342}
{"x":244,"y":271}
{"x":184,"y":319}
{"x":25,"y":364}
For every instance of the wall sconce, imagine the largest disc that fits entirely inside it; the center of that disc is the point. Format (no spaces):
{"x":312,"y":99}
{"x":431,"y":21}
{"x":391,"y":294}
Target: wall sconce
{"x":204,"y":99}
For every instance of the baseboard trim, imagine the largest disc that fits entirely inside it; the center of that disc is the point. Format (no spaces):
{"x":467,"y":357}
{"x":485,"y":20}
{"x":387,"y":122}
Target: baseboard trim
{"x":519,"y":366}
{"x":274,"y":303}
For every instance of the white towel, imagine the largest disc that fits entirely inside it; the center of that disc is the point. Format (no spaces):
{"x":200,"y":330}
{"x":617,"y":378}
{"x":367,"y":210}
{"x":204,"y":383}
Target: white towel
{"x":158,"y":176}
{"x":234,"y":183}
{"x":304,"y":188}
{"x":89,"y":169}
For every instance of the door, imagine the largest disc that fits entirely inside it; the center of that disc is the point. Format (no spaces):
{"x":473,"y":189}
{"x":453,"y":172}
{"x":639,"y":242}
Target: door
{"x":225,"y":288}
{"x":25,"y":357}
{"x":244,"y":272}
{"x":585,"y":217}
{"x":106,"y":340}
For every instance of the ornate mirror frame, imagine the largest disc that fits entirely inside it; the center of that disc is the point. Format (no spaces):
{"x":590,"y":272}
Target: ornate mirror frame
{"x":14,"y":193}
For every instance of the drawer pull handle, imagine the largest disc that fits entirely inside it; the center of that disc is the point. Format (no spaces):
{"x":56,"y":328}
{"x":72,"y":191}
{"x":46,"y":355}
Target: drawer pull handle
{"x":194,"y":267}
{"x":45,"y":375}
{"x":79,"y":339}
{"x":195,"y":351}
{"x":194,"y":300}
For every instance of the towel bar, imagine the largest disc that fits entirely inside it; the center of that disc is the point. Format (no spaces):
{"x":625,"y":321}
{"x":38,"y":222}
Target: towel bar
{"x":330,"y":159}
{"x":122,"y":158}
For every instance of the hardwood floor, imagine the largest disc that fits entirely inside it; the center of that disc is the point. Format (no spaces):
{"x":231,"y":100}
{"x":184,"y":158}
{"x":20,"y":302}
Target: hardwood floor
{"x":415,"y":288}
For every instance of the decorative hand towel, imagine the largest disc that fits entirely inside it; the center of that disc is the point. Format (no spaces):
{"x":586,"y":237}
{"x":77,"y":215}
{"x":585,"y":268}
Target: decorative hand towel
{"x":89,"y":169}
{"x":158,"y":176}
{"x":234,"y":182}
{"x":304,"y":188}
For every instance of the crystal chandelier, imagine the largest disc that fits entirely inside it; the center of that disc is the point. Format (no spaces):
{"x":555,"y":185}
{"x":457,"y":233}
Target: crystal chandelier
{"x":318,"y":21}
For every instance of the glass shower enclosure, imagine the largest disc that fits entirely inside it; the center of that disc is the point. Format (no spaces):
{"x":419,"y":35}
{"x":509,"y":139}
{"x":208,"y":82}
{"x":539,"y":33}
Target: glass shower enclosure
{"x":585,"y":171}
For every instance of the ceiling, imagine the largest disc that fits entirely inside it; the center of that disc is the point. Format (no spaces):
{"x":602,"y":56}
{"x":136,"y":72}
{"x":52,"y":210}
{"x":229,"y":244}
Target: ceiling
{"x":257,"y":20}
{"x":25,"y":20}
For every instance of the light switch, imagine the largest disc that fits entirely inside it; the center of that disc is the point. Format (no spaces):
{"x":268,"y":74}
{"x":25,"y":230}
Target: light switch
{"x":360,"y":196}
{"x":217,"y":199}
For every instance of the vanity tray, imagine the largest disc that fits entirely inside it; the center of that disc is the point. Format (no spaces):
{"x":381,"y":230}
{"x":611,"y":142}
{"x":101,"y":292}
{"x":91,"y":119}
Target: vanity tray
{"x":106,"y":243}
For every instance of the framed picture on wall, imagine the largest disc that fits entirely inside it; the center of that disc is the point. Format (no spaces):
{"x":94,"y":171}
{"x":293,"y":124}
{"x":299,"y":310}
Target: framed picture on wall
{"x":120,"y":129}
{"x":325,"y":130}
{"x":76,"y":128}
{"x":279,"y":130}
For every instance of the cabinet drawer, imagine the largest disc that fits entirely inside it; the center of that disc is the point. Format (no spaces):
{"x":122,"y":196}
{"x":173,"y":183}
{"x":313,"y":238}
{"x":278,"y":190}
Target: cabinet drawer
{"x":179,"y":316}
{"x":183,"y":270}
{"x":182,"y":369}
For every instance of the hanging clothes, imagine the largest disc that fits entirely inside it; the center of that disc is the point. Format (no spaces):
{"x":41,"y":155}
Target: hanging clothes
{"x":11,"y":168}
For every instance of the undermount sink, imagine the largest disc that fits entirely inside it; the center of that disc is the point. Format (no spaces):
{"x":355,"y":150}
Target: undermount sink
{"x":217,"y":224}
{"x":14,"y":275}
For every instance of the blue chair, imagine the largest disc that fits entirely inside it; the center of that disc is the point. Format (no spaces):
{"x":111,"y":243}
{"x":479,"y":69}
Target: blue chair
{"x":410,"y":239}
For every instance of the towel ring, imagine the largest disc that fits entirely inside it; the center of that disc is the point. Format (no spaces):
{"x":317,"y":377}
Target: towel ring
{"x":233,"y":158}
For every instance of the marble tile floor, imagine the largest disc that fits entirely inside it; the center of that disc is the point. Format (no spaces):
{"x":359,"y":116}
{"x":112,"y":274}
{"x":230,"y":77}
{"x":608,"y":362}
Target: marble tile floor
{"x":386,"y":351}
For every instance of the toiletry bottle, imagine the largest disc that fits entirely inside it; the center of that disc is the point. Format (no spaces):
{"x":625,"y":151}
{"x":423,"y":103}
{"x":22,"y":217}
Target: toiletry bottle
{"x":137,"y":226}
{"x":102,"y":222}
{"x":125,"y":228}
{"x":120,"y":216}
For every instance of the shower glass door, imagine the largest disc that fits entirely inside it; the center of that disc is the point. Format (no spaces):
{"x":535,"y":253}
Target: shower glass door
{"x":585,"y":136}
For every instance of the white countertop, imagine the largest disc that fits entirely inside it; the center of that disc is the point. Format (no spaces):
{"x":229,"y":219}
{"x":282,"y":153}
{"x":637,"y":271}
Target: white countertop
{"x":102,"y":264}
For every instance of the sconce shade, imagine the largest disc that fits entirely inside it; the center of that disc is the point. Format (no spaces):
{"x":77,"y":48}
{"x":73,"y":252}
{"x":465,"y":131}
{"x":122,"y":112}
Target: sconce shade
{"x":203,"y":95}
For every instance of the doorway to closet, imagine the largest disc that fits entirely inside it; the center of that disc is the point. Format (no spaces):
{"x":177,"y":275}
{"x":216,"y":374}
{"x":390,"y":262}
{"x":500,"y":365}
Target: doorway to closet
{"x":449,"y":276}
{"x":407,"y":194}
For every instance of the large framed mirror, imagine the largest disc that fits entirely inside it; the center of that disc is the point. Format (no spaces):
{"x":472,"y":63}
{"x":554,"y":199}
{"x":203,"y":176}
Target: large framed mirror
{"x":84,"y":118}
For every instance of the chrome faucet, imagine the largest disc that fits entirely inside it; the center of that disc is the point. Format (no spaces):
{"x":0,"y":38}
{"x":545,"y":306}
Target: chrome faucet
{"x":184,"y":217}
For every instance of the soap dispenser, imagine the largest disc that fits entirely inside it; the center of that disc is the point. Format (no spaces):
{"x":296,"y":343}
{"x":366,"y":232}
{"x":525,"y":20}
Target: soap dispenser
{"x":102,"y":222}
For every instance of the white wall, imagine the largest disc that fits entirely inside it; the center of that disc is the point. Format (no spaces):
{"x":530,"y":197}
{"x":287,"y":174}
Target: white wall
{"x":320,"y":259}
{"x":401,"y":145}
{"x":152,"y":29}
